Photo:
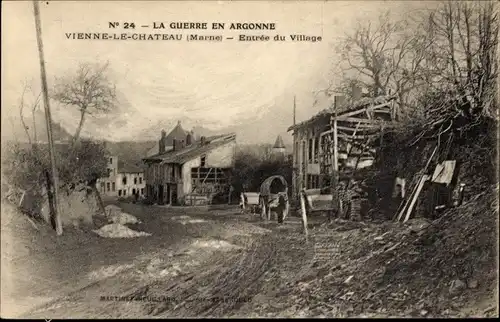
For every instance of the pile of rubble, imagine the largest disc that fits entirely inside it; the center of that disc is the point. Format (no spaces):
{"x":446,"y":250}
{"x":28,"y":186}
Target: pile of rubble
{"x":416,"y":269}
{"x":116,"y":228}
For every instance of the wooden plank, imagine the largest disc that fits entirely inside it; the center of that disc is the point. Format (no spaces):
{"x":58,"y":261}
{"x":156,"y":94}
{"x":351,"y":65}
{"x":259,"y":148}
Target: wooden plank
{"x":404,"y":204}
{"x":424,"y":178}
{"x":382,"y":111}
{"x":375,"y":122}
{"x":364,"y":110}
{"x":366,"y":136}
{"x":359,"y":128}
{"x":335,"y":147}
{"x":304,"y":214}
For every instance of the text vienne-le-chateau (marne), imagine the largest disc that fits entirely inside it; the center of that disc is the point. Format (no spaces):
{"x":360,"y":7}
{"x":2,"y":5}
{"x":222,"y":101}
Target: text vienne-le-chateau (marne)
{"x":248,"y":31}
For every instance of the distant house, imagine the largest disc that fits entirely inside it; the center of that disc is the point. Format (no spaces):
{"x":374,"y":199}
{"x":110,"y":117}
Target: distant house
{"x":178,"y":134}
{"x":189,"y":171}
{"x":124,"y":179}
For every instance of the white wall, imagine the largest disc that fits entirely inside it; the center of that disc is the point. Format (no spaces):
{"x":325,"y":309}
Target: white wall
{"x":187,"y":185}
{"x":129,"y":186}
{"x":221,"y":157}
{"x":102,"y":183}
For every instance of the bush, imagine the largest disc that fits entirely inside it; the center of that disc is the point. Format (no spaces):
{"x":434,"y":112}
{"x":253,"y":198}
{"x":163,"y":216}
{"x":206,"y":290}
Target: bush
{"x":27,"y":167}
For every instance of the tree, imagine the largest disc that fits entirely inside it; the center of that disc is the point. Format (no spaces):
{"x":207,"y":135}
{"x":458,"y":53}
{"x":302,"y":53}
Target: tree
{"x":464,"y":52}
{"x":386,"y":58}
{"x":90,"y":91}
{"x":33,"y":106}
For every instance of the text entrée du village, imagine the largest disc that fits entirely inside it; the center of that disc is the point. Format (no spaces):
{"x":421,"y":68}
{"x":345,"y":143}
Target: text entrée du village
{"x":246,"y":32}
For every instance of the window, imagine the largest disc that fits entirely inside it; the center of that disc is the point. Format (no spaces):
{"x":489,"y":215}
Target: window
{"x":140,"y":180}
{"x":108,"y":186}
{"x":124,"y":192}
{"x":113,"y":186}
{"x":310,"y":150}
{"x":110,"y":160}
{"x":316,"y":150}
{"x":135,"y":180}
{"x":124,"y":180}
{"x":119,"y":192}
{"x":173,"y":172}
{"x":304,"y":153}
{"x":102,"y":185}
{"x":142,"y":191}
{"x":313,"y":181}
{"x":203,"y":161}
{"x":133,"y":191}
{"x":296,"y":153}
{"x":109,"y":172}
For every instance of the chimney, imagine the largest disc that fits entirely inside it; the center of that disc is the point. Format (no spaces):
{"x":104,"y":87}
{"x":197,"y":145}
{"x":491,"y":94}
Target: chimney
{"x":357,"y":92}
{"x":203,"y":140}
{"x":339,"y":101}
{"x":189,"y":139}
{"x":175,"y":145}
{"x":161,"y":142}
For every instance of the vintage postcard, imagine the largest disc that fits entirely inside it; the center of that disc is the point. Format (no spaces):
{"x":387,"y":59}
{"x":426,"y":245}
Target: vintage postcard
{"x":214,"y":159}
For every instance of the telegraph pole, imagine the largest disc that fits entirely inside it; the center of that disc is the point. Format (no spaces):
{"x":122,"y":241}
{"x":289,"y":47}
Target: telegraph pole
{"x":48,"y":121}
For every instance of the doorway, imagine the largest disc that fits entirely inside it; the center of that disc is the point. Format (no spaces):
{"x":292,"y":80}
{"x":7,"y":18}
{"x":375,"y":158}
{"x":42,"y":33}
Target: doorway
{"x":173,"y":194}
{"x":160,"y":195}
{"x":168,"y":195}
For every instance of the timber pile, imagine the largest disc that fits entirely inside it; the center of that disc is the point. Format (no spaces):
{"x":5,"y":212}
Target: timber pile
{"x":416,"y":269}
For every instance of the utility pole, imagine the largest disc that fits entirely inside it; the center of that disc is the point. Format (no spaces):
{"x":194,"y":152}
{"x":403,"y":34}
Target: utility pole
{"x":48,"y":121}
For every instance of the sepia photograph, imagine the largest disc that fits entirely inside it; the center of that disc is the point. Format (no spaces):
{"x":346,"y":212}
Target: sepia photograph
{"x":249,"y":159}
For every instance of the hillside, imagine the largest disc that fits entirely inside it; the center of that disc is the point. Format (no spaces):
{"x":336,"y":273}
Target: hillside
{"x":12,"y":129}
{"x":129,"y":151}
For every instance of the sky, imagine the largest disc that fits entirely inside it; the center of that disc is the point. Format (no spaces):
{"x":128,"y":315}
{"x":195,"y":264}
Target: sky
{"x":229,"y":84}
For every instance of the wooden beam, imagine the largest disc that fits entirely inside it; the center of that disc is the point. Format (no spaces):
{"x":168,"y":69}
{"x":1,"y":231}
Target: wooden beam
{"x":345,"y":136}
{"x":304,"y":212}
{"x":360,"y":131}
{"x":365,"y":121}
{"x":364,"y":110}
{"x":362,"y":126}
{"x":423,"y":179}
{"x":382,"y":111}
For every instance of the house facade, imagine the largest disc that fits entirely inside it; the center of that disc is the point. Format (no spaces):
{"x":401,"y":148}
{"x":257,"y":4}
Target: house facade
{"x":187,"y":171}
{"x":347,"y":131}
{"x":123,"y":180}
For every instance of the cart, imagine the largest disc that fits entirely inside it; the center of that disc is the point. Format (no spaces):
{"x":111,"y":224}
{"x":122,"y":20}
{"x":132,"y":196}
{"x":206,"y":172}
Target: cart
{"x":274,"y":198}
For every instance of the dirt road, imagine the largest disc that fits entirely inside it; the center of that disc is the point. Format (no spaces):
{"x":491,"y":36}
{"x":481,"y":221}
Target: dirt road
{"x":196,"y":263}
{"x":221,"y":263}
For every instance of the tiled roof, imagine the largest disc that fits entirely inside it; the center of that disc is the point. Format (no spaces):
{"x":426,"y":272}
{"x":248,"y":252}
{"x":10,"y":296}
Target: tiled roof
{"x":193,"y":151}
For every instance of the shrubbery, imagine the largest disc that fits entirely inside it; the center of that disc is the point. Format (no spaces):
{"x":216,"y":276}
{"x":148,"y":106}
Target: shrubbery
{"x":27,"y":168}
